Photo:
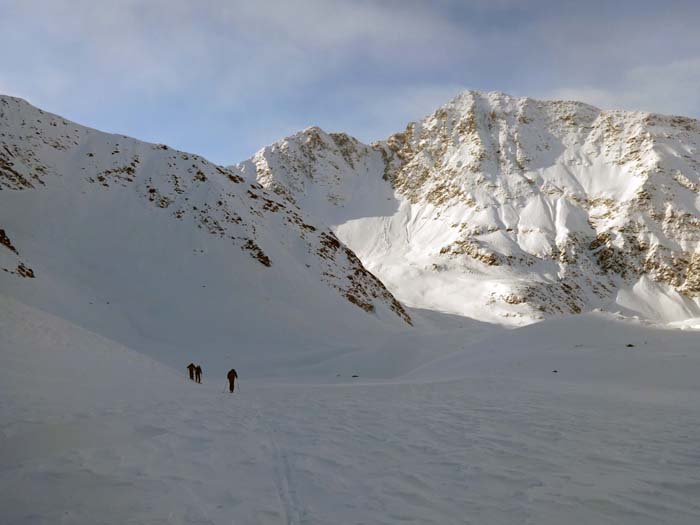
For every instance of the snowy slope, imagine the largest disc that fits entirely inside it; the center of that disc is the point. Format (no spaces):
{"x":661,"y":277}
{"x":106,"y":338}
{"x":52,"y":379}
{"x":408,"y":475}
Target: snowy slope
{"x":510,"y":209}
{"x":168,"y":253}
{"x":94,"y":433}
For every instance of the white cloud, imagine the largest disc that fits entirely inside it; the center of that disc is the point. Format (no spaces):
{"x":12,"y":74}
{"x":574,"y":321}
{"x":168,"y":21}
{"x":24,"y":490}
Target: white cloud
{"x":374,"y":113}
{"x":666,"y":88}
{"x":225,"y":49}
{"x":256,"y":69}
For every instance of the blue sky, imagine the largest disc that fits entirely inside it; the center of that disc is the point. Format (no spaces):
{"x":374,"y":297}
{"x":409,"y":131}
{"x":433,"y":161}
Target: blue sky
{"x":224,"y":78}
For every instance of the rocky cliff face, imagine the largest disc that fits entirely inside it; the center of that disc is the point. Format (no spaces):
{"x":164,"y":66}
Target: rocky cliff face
{"x":86,"y":215}
{"x":511,"y":209}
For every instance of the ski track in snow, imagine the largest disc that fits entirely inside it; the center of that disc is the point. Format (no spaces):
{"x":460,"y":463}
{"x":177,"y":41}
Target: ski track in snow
{"x":282,"y":471}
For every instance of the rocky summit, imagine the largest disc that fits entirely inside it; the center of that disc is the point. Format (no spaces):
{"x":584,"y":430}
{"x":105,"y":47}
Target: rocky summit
{"x":511,"y":210}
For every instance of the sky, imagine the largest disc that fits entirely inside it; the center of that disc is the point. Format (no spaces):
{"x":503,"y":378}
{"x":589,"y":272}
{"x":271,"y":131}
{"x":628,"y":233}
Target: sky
{"x":225,"y":78}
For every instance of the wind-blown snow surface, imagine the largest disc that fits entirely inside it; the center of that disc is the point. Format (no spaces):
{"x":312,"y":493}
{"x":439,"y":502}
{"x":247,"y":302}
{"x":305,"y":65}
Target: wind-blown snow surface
{"x":512,"y":210}
{"x":94,"y":433}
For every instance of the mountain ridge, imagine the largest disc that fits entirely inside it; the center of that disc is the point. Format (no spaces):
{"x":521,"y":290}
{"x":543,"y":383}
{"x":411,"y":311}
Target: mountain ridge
{"x":161,"y":249}
{"x":606,"y":196}
{"x":503,"y":209}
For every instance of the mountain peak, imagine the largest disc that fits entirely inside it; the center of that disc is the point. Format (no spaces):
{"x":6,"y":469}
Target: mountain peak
{"x":528,"y":208}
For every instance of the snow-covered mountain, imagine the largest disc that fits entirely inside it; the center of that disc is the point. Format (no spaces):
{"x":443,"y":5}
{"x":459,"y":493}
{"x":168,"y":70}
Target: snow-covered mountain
{"x":122,"y":261}
{"x":497,"y":208}
{"x":511,"y":209}
{"x":161,"y":249}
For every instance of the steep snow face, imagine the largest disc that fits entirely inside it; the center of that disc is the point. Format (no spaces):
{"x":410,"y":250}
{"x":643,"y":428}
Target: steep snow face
{"x":160,"y":249}
{"x":511,"y":209}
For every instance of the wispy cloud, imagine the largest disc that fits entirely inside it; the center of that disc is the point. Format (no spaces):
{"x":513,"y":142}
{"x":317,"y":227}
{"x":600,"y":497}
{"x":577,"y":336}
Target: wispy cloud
{"x":666,"y":88}
{"x":215,"y":76}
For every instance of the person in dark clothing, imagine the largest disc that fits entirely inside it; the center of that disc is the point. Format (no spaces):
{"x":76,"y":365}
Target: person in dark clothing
{"x":191,"y":368}
{"x":232,"y":376}
{"x":198,"y":374}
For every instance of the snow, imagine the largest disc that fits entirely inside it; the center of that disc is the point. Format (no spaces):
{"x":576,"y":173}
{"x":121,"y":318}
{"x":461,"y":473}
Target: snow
{"x":92,"y":432}
{"x":656,"y":301}
{"x":353,"y":410}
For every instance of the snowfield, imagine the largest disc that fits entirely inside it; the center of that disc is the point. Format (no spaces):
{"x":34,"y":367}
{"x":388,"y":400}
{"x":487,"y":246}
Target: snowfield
{"x":95,"y":433}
